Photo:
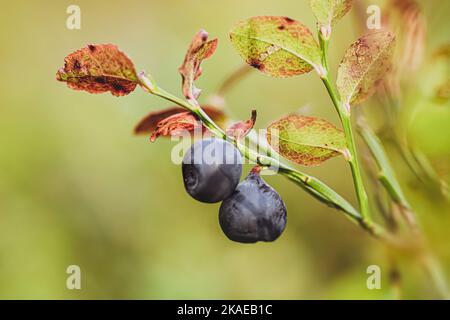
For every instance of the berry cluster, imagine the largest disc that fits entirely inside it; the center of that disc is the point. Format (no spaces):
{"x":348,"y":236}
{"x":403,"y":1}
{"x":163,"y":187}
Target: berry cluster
{"x":252,"y":210}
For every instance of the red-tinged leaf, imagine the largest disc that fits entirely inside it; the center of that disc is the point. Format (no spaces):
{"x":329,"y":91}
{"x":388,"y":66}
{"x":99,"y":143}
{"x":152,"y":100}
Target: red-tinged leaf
{"x":305,"y":140}
{"x":199,"y":50}
{"x":278,"y":46}
{"x":149,"y":123}
{"x":242,"y":128}
{"x":365,"y":64}
{"x":97,"y":69}
{"x":177,"y":124}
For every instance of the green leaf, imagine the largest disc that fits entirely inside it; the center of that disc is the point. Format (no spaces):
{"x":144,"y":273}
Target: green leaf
{"x":278,"y":46}
{"x":305,"y":140}
{"x":364,"y":65}
{"x":97,"y":69}
{"x":327,"y":12}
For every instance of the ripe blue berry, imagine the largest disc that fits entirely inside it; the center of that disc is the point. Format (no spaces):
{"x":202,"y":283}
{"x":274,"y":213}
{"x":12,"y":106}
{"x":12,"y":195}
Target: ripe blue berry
{"x":254,"y":212}
{"x":211,"y":170}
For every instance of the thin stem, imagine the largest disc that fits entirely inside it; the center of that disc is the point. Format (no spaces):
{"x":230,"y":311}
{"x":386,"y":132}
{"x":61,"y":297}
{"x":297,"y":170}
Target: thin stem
{"x":356,"y":171}
{"x":415,"y":160}
{"x":334,"y":97}
{"x":386,"y":175}
{"x":344,"y":115}
{"x":324,"y":47}
{"x":390,"y":183}
{"x":382,"y":201}
{"x":312,"y":185}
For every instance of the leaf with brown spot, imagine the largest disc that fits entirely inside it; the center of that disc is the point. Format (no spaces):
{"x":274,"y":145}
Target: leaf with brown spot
{"x":97,"y":69}
{"x":149,"y":123}
{"x":305,"y":140}
{"x":199,"y":50}
{"x":364,"y":65}
{"x":278,"y":46}
{"x":242,"y":128}
{"x":176,"y":125}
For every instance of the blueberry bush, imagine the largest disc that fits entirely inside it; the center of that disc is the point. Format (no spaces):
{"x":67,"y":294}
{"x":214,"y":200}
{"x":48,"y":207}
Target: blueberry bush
{"x":280,"y":47}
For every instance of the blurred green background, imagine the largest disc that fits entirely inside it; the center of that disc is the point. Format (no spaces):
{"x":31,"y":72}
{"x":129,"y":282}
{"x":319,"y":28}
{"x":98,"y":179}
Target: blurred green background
{"x":76,"y":187}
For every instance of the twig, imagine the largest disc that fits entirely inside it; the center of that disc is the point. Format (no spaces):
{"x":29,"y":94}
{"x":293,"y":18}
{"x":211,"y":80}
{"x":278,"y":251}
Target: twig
{"x":312,"y":185}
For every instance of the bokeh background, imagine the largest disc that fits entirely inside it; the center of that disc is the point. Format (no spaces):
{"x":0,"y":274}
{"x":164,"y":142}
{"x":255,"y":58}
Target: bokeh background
{"x":76,"y":187}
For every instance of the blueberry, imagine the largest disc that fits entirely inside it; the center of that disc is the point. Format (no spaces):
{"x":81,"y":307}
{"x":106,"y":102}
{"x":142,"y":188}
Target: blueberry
{"x":254,"y":212}
{"x":211,"y":169}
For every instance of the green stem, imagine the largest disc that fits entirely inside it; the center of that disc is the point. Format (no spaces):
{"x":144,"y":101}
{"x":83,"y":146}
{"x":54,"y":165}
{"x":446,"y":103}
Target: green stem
{"x":352,"y":157}
{"x":386,"y":175}
{"x":324,"y":47}
{"x":356,"y":171}
{"x":312,"y":185}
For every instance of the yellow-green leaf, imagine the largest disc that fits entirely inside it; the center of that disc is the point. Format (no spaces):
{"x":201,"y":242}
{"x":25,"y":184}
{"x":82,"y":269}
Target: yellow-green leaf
{"x":364,"y":65}
{"x":278,"y":46}
{"x":305,"y":140}
{"x":327,"y":12}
